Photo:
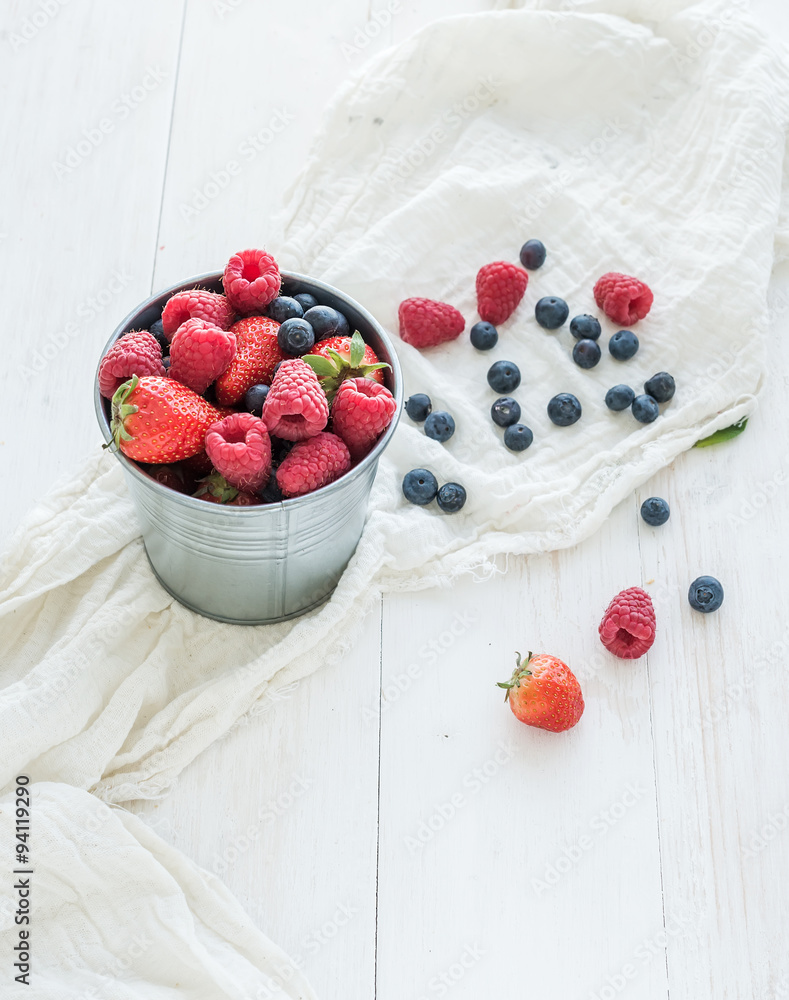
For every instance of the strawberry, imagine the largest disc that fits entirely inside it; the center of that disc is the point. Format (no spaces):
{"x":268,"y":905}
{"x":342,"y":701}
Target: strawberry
{"x":500,"y":287}
{"x":544,"y":692}
{"x":158,"y":420}
{"x":257,"y":354}
{"x":426,"y":323}
{"x":337,"y":358}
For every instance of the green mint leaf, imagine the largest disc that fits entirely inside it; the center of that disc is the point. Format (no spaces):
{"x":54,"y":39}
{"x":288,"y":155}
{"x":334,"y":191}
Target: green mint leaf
{"x":724,"y":434}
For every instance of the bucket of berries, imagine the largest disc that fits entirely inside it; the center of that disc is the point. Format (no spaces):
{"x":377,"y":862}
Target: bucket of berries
{"x":249,"y":409}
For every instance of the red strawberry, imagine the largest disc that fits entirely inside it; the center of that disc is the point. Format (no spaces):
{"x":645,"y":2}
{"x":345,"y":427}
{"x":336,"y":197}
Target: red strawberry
{"x":169,"y":475}
{"x":361,"y":412}
{"x":338,"y":358}
{"x":251,"y":280}
{"x":136,"y":353}
{"x":257,"y":354}
{"x":159,"y":420}
{"x":500,"y":287}
{"x":196,"y":303}
{"x":425,"y":323}
{"x":545,"y":693}
{"x":199,"y":353}
{"x":628,"y":626}
{"x":623,"y":299}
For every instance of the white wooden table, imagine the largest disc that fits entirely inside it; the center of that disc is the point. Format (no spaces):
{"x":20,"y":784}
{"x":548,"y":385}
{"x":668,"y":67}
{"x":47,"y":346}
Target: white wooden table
{"x":402,"y":835}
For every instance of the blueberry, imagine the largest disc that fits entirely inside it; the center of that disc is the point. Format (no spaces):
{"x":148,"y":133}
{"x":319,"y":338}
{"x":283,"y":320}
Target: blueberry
{"x":271,"y":493}
{"x":655,"y":511}
{"x":157,"y":330}
{"x":440,"y":426}
{"x":518,"y":437}
{"x":418,"y":407}
{"x":551,"y":312}
{"x":505,"y":411}
{"x":451,"y":497}
{"x":305,"y":300}
{"x":619,"y":397}
{"x":296,"y":337}
{"x":419,"y":486}
{"x":705,"y":594}
{"x":532,"y":254}
{"x":585,"y":327}
{"x":483,"y":336}
{"x":327,"y":322}
{"x":660,"y":387}
{"x":586,"y":353}
{"x":623,"y":345}
{"x":166,"y":362}
{"x":254,"y":398}
{"x":284,"y":307}
{"x":645,"y":409}
{"x":564,"y":409}
{"x":504,"y":376}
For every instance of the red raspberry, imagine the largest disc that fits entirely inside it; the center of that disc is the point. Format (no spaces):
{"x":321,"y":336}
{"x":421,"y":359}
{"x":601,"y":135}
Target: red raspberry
{"x":296,"y":406}
{"x":257,"y":354}
{"x":623,"y":299}
{"x":216,"y":489}
{"x":136,"y":353}
{"x":500,"y":287}
{"x":312,"y":464}
{"x":425,"y":323}
{"x":628,"y":625}
{"x":251,"y":280}
{"x":199,"y":353}
{"x":240,"y":448}
{"x":196,"y":303}
{"x":361,"y":412}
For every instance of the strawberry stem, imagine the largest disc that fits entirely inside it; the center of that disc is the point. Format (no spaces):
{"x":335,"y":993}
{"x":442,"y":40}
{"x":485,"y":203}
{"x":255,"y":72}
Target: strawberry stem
{"x":521,"y":670}
{"x":120,"y":411}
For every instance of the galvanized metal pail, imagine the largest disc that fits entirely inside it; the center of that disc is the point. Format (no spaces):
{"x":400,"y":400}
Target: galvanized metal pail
{"x":255,"y":565}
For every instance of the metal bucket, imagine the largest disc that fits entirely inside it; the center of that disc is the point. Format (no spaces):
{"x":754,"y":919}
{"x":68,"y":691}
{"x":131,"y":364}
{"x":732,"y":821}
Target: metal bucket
{"x":255,"y":565}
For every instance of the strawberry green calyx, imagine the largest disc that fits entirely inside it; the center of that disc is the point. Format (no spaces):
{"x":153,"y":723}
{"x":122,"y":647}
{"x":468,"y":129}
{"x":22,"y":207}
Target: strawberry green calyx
{"x":333,"y":370}
{"x":216,"y":485}
{"x":521,"y":671}
{"x":121,"y":410}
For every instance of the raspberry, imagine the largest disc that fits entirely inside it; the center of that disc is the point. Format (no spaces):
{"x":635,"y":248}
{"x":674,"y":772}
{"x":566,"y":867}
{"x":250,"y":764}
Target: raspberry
{"x":425,"y":323}
{"x":251,"y":281}
{"x":240,"y":449}
{"x":500,"y":287}
{"x":296,"y":407}
{"x":628,"y":625}
{"x":196,"y":303}
{"x":199,"y":353}
{"x":312,"y":464}
{"x":623,"y":299}
{"x":257,"y":355}
{"x":136,"y":353}
{"x":361,"y":412}
{"x":216,"y":489}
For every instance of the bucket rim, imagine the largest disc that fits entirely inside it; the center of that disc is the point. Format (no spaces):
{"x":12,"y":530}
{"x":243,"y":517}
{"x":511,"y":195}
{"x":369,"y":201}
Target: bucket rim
{"x":195,"y":503}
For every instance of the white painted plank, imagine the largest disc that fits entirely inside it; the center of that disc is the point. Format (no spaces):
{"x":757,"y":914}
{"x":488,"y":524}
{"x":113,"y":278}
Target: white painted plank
{"x":549,"y":870}
{"x":86,"y":119}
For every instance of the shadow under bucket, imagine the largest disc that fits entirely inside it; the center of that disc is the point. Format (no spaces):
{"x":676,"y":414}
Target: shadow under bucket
{"x":255,"y":565}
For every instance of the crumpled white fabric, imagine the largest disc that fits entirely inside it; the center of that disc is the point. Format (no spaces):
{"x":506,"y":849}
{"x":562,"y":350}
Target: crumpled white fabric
{"x":628,"y":135}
